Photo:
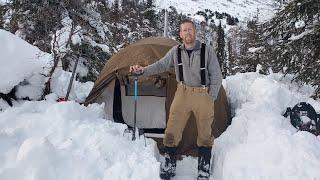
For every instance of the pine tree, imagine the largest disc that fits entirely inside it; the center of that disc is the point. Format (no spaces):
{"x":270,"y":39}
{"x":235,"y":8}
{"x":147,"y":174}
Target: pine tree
{"x":149,"y":19}
{"x":220,"y":49}
{"x":34,"y":21}
{"x":251,"y":50}
{"x":150,"y":13}
{"x":231,"y":57}
{"x":207,"y":14}
{"x":206,"y":27}
{"x":115,"y":12}
{"x":174,"y":19}
{"x":2,"y":12}
{"x":292,"y":38}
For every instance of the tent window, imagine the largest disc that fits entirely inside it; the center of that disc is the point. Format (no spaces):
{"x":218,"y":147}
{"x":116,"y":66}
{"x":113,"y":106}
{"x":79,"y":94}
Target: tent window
{"x":156,"y":88}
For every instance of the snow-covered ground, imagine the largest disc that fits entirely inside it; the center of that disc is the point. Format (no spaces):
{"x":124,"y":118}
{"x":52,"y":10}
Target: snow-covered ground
{"x":57,"y":141}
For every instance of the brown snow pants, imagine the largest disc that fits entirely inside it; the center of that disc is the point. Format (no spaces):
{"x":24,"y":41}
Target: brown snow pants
{"x":189,"y":100}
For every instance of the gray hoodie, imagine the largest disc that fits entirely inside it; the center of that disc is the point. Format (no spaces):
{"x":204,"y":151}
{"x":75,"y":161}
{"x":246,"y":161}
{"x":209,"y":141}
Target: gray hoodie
{"x":191,"y":67}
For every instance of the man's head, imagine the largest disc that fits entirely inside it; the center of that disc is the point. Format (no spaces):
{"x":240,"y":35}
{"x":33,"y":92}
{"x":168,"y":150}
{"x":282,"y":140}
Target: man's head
{"x":187,"y":32}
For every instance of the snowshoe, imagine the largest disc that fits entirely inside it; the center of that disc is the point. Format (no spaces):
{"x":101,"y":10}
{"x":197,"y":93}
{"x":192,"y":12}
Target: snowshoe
{"x":304,"y":117}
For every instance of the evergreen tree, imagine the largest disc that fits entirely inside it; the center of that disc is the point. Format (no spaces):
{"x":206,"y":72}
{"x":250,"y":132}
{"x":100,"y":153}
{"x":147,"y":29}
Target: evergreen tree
{"x":207,"y":27}
{"x":35,"y":21}
{"x":250,"y":55}
{"x":115,"y":12}
{"x":207,"y":14}
{"x":292,"y":41}
{"x":233,"y":50}
{"x":231,"y":57}
{"x":2,"y":13}
{"x":220,"y":49}
{"x":174,"y":19}
{"x":232,"y":20}
{"x":149,"y":19}
{"x":150,"y":13}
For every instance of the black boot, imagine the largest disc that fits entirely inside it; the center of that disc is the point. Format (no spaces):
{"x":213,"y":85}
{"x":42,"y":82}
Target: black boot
{"x":168,"y":169}
{"x":204,"y":154}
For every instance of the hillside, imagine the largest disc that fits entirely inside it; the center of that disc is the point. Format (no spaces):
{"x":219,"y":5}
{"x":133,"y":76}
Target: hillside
{"x":242,"y":9}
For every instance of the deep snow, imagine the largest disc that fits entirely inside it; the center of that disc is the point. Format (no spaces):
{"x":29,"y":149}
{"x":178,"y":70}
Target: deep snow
{"x":26,"y":67}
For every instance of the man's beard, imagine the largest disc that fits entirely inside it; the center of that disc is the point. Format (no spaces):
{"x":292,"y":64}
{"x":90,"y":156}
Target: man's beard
{"x":189,"y":40}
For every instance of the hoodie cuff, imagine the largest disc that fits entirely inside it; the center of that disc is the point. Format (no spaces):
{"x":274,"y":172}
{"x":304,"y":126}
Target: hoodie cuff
{"x":213,"y":91}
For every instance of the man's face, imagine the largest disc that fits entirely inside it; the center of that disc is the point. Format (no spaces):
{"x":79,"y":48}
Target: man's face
{"x":187,"y":33}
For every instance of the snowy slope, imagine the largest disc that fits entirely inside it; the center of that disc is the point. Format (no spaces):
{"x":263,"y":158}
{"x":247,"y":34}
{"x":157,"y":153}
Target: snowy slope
{"x":260,"y":143}
{"x":25,"y":66}
{"x":242,"y":9}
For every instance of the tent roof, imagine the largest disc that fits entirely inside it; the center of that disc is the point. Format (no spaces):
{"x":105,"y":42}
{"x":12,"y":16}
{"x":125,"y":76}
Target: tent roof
{"x":143,"y":52}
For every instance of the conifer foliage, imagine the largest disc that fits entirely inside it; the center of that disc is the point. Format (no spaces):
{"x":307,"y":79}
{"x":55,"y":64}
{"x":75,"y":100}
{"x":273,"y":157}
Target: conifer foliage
{"x":292,"y":41}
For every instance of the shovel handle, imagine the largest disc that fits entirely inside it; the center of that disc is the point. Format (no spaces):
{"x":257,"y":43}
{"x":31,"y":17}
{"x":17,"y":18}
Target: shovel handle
{"x":135,"y":106}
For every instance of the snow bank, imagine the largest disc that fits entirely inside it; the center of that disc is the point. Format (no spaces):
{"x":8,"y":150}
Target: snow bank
{"x":60,"y":82}
{"x":20,"y":62}
{"x":58,"y":141}
{"x":260,"y":143}
{"x":24,"y":66}
{"x":3,"y":104}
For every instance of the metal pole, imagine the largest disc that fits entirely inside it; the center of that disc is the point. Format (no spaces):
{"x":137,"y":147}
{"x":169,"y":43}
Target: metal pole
{"x":165,"y":31}
{"x":135,"y":106}
{"x":71,"y":79}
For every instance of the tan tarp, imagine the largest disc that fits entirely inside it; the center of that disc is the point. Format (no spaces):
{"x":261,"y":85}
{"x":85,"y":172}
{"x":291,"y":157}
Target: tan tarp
{"x":148,"y":51}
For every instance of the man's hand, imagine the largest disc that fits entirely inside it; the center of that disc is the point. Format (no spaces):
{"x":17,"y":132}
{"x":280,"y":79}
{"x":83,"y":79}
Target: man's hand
{"x":136,"y":69}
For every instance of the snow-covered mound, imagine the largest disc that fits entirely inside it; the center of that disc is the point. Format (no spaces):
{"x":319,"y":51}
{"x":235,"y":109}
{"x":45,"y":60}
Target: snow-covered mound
{"x":26,"y":67}
{"x":21,"y":62}
{"x":68,"y":141}
{"x":261,"y":144}
{"x":60,"y":82}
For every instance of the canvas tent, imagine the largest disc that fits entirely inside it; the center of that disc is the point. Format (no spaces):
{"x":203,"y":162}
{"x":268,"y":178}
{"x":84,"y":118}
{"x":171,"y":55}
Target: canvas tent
{"x":114,"y":87}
